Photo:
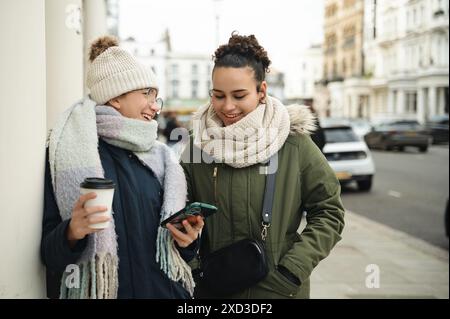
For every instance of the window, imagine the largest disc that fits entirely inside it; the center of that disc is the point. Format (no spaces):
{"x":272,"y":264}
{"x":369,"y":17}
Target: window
{"x":331,"y":10}
{"x":411,"y":102}
{"x":353,"y":66}
{"x":174,"y":68}
{"x":349,"y":36}
{"x":175,"y":88}
{"x":349,"y":4}
{"x":194,"y":89}
{"x":330,"y":43}
{"x":194,"y":69}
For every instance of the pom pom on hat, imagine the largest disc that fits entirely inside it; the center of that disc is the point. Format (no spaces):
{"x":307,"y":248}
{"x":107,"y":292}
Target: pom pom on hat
{"x":114,"y":71}
{"x":101,"y":45}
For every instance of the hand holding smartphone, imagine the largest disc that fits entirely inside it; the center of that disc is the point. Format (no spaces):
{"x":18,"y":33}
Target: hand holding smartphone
{"x":190,"y":212}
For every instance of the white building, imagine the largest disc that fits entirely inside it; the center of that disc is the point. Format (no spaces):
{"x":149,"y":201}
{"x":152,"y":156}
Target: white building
{"x":406,"y":49}
{"x":184,"y":79}
{"x":275,"y":84}
{"x":305,"y":69}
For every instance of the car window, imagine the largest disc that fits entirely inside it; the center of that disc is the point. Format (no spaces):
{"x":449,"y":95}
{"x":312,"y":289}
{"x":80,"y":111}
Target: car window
{"x":340,"y":135}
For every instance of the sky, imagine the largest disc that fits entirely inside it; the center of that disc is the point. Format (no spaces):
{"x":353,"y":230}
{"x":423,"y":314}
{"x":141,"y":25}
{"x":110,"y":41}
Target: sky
{"x":282,"y":27}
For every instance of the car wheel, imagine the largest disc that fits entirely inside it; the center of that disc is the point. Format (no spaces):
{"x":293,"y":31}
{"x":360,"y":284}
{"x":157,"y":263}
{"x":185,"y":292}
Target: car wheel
{"x":365,"y":185}
{"x":401,"y":148}
{"x":423,"y":149}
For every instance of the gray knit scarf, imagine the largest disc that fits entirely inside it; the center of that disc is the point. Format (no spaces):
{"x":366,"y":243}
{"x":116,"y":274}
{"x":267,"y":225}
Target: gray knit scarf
{"x":73,"y":156}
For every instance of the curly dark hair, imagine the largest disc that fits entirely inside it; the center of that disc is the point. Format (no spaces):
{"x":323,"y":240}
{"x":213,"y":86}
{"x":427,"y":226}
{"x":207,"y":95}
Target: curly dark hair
{"x":242,"y":51}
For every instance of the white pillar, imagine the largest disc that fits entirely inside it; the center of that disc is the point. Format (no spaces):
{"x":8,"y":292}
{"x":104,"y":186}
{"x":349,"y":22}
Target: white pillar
{"x":373,"y":101}
{"x":441,"y":101}
{"x":22,"y":139}
{"x":391,"y":101}
{"x":400,"y":110}
{"x":432,"y":101}
{"x":94,"y":25}
{"x":64,"y":44}
{"x":421,"y":116}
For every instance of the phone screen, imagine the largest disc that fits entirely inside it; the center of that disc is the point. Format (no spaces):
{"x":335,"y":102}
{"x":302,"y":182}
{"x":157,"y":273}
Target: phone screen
{"x":190,"y":213}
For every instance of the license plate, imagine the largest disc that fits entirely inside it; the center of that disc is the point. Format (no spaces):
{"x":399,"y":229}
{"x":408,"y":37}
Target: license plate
{"x":410,"y":133}
{"x":343,"y":175}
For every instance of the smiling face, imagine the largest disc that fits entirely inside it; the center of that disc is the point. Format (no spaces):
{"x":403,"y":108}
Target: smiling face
{"x":135,"y":104}
{"x":234,"y":93}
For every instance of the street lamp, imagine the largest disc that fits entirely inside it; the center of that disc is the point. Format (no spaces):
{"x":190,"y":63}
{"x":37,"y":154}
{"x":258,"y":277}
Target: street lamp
{"x":217,"y":8}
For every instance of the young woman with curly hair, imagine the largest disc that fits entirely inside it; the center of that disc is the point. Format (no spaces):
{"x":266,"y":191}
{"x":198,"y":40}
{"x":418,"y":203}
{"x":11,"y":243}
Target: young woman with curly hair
{"x":236,"y":133}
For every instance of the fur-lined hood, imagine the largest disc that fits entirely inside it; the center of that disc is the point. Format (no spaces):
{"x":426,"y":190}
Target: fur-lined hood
{"x":303,"y":121}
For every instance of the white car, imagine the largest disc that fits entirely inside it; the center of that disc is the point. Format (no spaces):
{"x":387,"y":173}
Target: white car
{"x":348,"y":155}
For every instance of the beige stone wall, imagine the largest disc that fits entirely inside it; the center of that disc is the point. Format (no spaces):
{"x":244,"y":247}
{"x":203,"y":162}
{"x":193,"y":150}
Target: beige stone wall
{"x":343,"y":38}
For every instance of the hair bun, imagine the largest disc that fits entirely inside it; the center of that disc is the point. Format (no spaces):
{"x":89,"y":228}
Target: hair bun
{"x":101,"y":44}
{"x":246,"y":46}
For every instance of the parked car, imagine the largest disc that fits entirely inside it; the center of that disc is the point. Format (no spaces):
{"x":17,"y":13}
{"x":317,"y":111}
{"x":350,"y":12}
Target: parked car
{"x":348,"y":155}
{"x":437,"y":127}
{"x":361,"y":127}
{"x":398,"y":134}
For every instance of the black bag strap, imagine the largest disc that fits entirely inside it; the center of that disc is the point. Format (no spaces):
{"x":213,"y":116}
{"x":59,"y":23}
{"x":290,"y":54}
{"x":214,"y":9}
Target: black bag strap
{"x":269,"y":194}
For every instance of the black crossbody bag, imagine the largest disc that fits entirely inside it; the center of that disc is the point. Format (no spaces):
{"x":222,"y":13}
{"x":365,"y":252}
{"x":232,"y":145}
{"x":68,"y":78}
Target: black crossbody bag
{"x":242,"y":264}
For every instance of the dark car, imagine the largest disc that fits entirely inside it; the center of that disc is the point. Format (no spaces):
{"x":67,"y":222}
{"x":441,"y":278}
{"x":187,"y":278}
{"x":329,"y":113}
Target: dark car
{"x":398,"y":134}
{"x":437,"y":127}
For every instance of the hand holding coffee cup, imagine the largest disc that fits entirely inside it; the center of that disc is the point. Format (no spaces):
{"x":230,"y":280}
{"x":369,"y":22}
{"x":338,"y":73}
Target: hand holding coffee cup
{"x":92,"y":211}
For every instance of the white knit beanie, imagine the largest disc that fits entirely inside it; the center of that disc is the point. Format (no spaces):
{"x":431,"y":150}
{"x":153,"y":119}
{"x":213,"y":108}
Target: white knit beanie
{"x":114,"y":71}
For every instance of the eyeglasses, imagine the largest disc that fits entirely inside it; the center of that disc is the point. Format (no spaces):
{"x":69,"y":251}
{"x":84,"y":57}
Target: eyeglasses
{"x":151,"y":95}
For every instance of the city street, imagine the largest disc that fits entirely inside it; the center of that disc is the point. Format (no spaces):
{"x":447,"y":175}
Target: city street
{"x":409,"y":194}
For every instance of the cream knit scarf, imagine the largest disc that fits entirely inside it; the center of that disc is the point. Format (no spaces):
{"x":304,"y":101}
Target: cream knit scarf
{"x":253,"y":139}
{"x":73,"y":156}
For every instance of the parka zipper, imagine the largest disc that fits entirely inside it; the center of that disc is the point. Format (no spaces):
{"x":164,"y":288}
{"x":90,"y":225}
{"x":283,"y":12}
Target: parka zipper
{"x":231,"y":206}
{"x":215,"y":184}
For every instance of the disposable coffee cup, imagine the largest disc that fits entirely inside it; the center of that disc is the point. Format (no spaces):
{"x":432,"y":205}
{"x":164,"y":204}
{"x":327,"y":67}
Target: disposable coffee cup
{"x":104,"y":188}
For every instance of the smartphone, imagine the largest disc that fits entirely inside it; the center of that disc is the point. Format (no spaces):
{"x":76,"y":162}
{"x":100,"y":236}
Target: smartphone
{"x":190,"y":212}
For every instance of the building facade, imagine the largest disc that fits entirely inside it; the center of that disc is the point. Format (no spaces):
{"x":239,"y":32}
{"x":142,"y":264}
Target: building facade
{"x":184,"y":79}
{"x":343,"y":64}
{"x":386,"y":59}
{"x":305,"y":69}
{"x":413,"y":44}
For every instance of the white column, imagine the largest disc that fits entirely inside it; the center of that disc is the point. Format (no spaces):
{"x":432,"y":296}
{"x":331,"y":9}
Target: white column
{"x":441,"y":101}
{"x":391,"y":101}
{"x":348,"y":105}
{"x":64,"y":44}
{"x":94,"y":24}
{"x":22,"y":139}
{"x":373,"y":101}
{"x":400,"y":110}
{"x":432,"y":101}
{"x":421,"y":116}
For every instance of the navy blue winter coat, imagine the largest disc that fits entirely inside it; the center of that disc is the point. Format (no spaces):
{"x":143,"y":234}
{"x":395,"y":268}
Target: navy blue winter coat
{"x":136,"y":205}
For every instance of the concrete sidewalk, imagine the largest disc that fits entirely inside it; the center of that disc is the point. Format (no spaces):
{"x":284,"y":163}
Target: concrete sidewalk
{"x":408,"y":267}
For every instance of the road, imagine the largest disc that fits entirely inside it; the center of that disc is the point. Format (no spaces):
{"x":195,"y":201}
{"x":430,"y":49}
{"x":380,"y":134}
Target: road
{"x":409,"y":193}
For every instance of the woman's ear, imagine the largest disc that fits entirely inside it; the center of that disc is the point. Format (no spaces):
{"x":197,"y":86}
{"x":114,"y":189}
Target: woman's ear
{"x":262,"y":92}
{"x":115,"y":103}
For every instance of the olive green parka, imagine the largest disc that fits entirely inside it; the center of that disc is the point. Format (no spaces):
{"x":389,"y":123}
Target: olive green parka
{"x":304,"y":182}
